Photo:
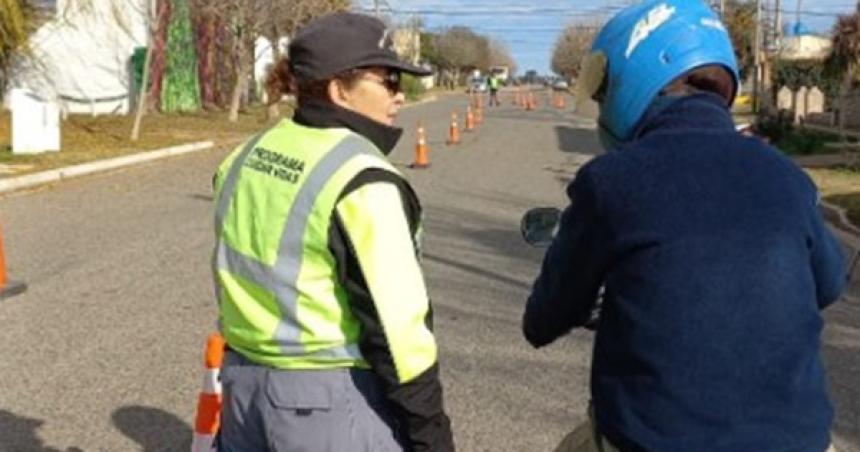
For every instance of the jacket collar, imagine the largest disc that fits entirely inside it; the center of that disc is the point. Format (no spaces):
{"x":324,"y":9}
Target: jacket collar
{"x":700,"y":111}
{"x":321,"y":114}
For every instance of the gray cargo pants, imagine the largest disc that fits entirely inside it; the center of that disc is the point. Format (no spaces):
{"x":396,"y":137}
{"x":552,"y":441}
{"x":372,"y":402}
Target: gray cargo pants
{"x":268,"y":409}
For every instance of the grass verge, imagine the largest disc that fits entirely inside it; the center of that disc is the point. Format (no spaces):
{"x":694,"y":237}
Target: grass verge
{"x":85,"y":138}
{"x":840,"y":186}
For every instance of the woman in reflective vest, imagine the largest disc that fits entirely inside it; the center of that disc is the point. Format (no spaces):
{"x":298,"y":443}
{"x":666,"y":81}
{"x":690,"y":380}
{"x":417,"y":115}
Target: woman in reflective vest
{"x":322,"y":299}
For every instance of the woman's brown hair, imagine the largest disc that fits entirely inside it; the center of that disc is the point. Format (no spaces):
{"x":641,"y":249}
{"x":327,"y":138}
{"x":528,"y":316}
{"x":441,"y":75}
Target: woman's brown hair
{"x":281,"y":81}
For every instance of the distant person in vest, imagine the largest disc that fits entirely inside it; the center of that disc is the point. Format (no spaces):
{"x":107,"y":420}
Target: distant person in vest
{"x":493,"y":83}
{"x":713,"y":256}
{"x":317,"y":266}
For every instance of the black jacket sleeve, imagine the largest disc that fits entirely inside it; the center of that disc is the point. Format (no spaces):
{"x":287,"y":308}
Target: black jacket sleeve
{"x":417,"y":403}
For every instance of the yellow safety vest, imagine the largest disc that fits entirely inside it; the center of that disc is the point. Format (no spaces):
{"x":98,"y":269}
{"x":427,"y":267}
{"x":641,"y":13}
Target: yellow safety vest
{"x":281,"y":303}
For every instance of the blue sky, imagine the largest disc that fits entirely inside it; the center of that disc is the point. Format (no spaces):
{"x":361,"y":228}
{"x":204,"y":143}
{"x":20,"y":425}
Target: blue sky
{"x":530,"y":28}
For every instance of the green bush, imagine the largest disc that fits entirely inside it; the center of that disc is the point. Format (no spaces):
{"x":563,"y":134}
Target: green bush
{"x":801,"y":142}
{"x":412,"y":87}
{"x":781,"y":132}
{"x":773,"y":127}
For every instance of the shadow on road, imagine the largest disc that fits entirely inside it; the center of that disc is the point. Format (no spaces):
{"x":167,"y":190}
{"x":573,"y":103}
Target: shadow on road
{"x":486,"y":235}
{"x":476,"y":251}
{"x":18,"y":433}
{"x":841,"y":350}
{"x":154,"y":429}
{"x":532,"y":116}
{"x":202,"y":197}
{"x":842,"y":393}
{"x":474,"y":270}
{"x":578,"y":140}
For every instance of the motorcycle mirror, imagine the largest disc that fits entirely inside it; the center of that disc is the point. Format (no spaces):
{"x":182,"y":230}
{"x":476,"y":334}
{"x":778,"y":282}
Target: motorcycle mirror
{"x":539,"y":225}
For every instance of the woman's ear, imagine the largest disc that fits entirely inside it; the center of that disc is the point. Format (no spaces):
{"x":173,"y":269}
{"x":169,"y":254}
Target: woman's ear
{"x":338,"y":94}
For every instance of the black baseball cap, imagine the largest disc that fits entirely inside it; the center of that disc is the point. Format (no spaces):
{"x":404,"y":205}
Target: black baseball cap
{"x":337,"y":42}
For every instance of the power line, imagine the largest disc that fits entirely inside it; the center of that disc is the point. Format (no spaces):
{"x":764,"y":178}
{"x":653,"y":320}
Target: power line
{"x":809,"y":13}
{"x":502,"y":10}
{"x":555,"y":10}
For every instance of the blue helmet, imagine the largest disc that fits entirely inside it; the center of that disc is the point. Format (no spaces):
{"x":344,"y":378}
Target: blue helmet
{"x":643,"y":49}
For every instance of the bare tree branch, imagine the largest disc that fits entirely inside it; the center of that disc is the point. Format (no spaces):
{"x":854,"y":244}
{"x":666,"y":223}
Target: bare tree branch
{"x":571,"y":47}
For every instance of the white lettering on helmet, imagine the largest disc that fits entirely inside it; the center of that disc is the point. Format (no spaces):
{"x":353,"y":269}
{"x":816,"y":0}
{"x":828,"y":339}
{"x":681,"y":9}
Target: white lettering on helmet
{"x":713,"y":23}
{"x":655,"y":18}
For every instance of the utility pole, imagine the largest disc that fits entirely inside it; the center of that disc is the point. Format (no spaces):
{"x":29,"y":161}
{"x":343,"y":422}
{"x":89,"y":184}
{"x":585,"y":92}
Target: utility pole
{"x":778,"y":33}
{"x":376,"y":7}
{"x":757,"y":58}
{"x":722,"y":9}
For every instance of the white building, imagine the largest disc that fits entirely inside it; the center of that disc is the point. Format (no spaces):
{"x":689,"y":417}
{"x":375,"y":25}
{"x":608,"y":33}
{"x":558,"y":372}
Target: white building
{"x":81,"y":59}
{"x":805,"y":47}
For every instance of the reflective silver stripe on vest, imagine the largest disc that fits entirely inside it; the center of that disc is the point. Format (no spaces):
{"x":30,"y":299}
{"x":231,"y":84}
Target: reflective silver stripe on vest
{"x":229,"y":184}
{"x":282,"y":278}
{"x":223,"y":202}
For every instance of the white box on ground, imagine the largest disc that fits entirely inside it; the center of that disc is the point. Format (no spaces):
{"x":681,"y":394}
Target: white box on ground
{"x":35,"y":123}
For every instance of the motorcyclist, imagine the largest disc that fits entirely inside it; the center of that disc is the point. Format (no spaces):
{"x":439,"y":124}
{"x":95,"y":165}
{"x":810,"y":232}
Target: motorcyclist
{"x":710,"y":246}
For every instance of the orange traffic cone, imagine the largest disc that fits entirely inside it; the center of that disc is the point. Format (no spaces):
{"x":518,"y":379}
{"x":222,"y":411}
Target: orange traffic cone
{"x":453,"y":131}
{"x":530,"y":101}
{"x":8,"y":288}
{"x":559,"y":103}
{"x":421,"y":150}
{"x":209,"y":401}
{"x":470,"y":119}
{"x":479,"y":115}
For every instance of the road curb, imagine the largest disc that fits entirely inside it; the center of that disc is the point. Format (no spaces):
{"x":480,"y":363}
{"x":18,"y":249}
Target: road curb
{"x":11,"y":184}
{"x":838,"y":217}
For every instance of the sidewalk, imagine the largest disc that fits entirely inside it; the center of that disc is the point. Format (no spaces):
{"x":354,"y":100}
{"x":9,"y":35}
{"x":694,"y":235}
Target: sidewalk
{"x":849,"y":236}
{"x":15,"y":183}
{"x":826,"y":160}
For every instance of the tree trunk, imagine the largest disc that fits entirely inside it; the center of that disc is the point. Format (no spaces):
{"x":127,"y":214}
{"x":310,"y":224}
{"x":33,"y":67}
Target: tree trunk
{"x":225,"y":60}
{"x":240,"y":85}
{"x":159,"y":55}
{"x":273,"y":111}
{"x":236,"y":100}
{"x":141,"y":98}
{"x":142,"y":90}
{"x":206,"y":33}
{"x":845,"y":91}
{"x":273,"y":98}
{"x":843,"y":94}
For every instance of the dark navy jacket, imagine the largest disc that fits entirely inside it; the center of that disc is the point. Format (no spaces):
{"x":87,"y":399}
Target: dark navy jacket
{"x":716,"y":263}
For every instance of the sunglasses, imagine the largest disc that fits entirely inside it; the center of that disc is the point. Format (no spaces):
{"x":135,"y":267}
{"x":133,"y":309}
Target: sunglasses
{"x":391,"y":81}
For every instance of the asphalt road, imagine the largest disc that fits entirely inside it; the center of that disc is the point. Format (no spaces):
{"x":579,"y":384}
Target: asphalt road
{"x":103,"y":352}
